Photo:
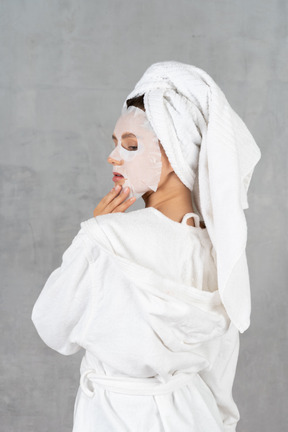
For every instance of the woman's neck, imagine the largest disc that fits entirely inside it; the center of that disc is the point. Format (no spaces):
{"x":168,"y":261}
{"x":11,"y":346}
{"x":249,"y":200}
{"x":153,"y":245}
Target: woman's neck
{"x":172,"y":198}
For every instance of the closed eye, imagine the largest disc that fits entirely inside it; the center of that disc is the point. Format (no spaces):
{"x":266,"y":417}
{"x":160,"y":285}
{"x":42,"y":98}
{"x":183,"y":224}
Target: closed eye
{"x":129,"y":147}
{"x":126,"y":138}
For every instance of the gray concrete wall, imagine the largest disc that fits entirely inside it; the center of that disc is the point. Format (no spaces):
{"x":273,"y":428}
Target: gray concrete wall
{"x":66,"y":67}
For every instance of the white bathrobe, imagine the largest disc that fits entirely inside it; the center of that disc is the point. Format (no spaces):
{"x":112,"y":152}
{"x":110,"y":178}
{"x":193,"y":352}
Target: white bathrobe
{"x":138,"y":291}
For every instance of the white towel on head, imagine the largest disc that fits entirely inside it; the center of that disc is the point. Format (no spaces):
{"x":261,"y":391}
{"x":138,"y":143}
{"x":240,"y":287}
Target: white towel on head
{"x":213,"y":153}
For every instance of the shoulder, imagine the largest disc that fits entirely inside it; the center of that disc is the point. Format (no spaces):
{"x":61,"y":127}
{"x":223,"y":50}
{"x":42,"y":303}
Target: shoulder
{"x":124,"y":219}
{"x":104,"y":229}
{"x":113,"y":218}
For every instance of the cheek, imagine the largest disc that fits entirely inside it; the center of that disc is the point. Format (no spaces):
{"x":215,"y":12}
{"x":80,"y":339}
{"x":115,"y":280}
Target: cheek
{"x":141,"y":165}
{"x":134,"y":165}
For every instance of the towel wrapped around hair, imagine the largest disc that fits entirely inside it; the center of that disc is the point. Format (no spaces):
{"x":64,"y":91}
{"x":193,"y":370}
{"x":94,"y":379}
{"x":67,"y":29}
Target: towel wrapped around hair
{"x":213,"y":153}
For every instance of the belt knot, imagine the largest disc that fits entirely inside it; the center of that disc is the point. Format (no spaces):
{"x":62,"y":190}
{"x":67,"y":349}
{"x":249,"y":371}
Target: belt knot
{"x":132,"y":385}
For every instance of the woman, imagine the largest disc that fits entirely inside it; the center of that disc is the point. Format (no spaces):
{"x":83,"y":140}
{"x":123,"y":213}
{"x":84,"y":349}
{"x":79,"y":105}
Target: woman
{"x":157,"y":296}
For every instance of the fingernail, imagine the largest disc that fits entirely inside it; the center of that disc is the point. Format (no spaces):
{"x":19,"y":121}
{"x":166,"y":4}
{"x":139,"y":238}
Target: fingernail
{"x":126,"y":189}
{"x":117,"y":187}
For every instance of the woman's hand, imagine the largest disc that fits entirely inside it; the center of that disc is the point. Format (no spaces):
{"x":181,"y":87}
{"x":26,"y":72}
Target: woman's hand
{"x":113,"y":202}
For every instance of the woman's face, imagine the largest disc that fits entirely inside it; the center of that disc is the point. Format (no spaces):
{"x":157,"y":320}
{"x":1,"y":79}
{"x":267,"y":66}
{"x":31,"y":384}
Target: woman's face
{"x":137,"y":154}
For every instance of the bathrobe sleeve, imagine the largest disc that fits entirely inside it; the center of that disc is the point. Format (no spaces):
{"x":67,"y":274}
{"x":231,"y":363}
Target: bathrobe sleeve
{"x":220,"y":377}
{"x":61,"y":310}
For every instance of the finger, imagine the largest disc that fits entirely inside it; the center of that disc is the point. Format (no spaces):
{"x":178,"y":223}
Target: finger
{"x":118,"y":199}
{"x":108,"y":198}
{"x":122,"y":207}
{"x":115,"y":205}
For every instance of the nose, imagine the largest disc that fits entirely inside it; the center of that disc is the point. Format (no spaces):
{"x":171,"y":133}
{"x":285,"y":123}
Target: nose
{"x":114,"y":161}
{"x":114,"y":156}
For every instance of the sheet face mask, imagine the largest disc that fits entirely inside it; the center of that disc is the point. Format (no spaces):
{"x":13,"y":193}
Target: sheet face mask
{"x":141,"y":154}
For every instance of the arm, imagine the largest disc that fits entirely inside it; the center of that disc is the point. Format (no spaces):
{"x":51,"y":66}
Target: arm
{"x":220,"y":378}
{"x":61,"y":308}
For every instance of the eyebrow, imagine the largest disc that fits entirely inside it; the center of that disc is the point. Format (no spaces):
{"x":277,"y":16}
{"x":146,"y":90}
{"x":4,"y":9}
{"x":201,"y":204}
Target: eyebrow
{"x":126,"y":135}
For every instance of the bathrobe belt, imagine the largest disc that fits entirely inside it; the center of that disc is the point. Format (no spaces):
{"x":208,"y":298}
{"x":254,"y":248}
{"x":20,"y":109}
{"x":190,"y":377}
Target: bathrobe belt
{"x":131,"y":385}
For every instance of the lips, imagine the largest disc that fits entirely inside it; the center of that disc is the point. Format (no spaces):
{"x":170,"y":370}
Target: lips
{"x":117,"y":174}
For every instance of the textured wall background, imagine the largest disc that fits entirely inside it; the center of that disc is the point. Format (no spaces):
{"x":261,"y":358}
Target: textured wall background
{"x":66,"y":67}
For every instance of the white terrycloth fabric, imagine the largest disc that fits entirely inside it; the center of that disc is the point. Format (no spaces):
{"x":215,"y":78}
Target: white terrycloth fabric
{"x":214,"y":155}
{"x":160,"y":350}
